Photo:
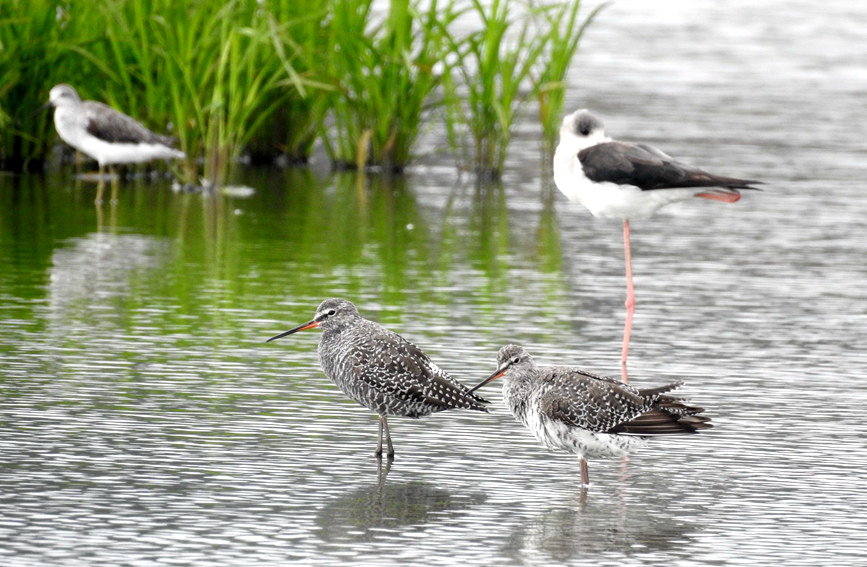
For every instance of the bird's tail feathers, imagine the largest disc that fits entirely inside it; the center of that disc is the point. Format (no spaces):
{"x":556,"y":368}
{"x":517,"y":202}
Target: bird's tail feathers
{"x":670,"y":415}
{"x":660,"y":389}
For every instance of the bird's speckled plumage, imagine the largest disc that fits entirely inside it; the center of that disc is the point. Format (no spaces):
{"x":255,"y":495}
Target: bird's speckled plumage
{"x":589,"y":415}
{"x":381,"y":370}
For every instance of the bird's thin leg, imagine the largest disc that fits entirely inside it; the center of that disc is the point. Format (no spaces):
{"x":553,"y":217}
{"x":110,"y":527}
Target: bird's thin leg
{"x":378,"y":451}
{"x":585,"y":474}
{"x":381,"y":472}
{"x":115,"y":182}
{"x":390,"y":452}
{"x":624,"y":467}
{"x":630,"y":302}
{"x":100,"y":185}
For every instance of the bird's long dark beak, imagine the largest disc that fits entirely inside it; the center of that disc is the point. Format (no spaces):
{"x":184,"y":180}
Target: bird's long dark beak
{"x":309,"y":325}
{"x":42,"y":108}
{"x":491,"y":378}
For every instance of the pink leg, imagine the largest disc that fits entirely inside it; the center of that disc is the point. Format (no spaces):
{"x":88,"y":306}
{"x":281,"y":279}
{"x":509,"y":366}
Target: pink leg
{"x":630,"y":302}
{"x":724,"y":196}
{"x":585,"y":474}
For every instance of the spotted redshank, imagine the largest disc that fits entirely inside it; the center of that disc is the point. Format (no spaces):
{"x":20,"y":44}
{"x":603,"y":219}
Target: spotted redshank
{"x":381,"y":370}
{"x":624,"y":181}
{"x":586,"y":414}
{"x":108,"y":136}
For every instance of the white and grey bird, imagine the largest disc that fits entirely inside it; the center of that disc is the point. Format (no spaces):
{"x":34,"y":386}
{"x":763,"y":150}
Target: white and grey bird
{"x":624,"y":180}
{"x":381,"y":370}
{"x":106,"y":135}
{"x":589,"y":415}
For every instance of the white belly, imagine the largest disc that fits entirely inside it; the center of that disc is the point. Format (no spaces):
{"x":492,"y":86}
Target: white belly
{"x":623,"y":202}
{"x":559,"y":436}
{"x":110,"y":153}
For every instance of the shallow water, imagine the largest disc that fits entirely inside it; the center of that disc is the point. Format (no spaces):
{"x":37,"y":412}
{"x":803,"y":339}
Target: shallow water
{"x":145,"y":422}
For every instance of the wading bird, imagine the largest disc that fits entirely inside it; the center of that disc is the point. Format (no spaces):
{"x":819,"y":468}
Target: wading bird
{"x":381,"y":370}
{"x":106,"y":135}
{"x":623,"y":180}
{"x":585,"y":414}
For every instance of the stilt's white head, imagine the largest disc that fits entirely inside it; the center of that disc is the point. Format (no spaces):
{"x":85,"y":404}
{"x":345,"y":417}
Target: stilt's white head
{"x":581,"y":129}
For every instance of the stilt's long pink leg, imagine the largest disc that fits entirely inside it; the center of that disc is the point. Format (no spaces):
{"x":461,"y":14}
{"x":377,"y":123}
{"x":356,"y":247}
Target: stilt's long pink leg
{"x":585,"y":474}
{"x":630,"y":302}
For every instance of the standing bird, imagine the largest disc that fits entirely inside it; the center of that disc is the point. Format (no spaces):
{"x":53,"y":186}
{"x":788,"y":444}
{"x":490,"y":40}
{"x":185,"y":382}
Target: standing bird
{"x":622,"y":180}
{"x":585,"y":414}
{"x":106,"y":135}
{"x":381,"y":370}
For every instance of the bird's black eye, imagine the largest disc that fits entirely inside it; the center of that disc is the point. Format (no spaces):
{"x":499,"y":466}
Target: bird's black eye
{"x":331,"y":312}
{"x":516,"y":360}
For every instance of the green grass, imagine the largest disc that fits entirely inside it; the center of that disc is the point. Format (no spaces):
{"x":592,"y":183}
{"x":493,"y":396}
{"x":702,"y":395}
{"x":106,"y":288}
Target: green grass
{"x":233,"y":78}
{"x":564,"y":32}
{"x":205,"y":72}
{"x":298,"y":32}
{"x":38,"y":43}
{"x":494,"y":63}
{"x":385,"y":75}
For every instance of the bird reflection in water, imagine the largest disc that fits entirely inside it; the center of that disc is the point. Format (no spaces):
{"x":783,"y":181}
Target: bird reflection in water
{"x":588,"y":530}
{"x":384,"y":508}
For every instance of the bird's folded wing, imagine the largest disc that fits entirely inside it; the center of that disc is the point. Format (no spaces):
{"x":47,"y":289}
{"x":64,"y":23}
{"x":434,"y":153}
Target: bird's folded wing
{"x":589,"y":402}
{"x":397,"y":367}
{"x":115,"y":127}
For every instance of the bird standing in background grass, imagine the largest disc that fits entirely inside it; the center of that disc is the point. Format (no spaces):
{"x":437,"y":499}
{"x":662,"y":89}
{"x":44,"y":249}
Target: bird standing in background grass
{"x":106,"y":135}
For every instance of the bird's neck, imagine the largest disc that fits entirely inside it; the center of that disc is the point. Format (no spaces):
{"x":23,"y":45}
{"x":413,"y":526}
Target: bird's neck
{"x":516,"y":386}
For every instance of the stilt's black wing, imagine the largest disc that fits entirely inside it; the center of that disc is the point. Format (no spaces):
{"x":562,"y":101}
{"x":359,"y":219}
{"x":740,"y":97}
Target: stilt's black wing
{"x":648,"y":168}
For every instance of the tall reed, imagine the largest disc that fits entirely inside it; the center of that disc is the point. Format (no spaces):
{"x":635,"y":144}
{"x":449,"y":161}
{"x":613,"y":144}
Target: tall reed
{"x":494,"y":64}
{"x":38,"y":44}
{"x":386,"y":73}
{"x":206,"y":71}
{"x":270,"y":77}
{"x":299,"y":34}
{"x":348,"y":47}
{"x":563,"y":34}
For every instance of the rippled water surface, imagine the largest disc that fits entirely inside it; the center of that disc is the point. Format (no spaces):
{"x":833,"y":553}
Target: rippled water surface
{"x":143,"y":420}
